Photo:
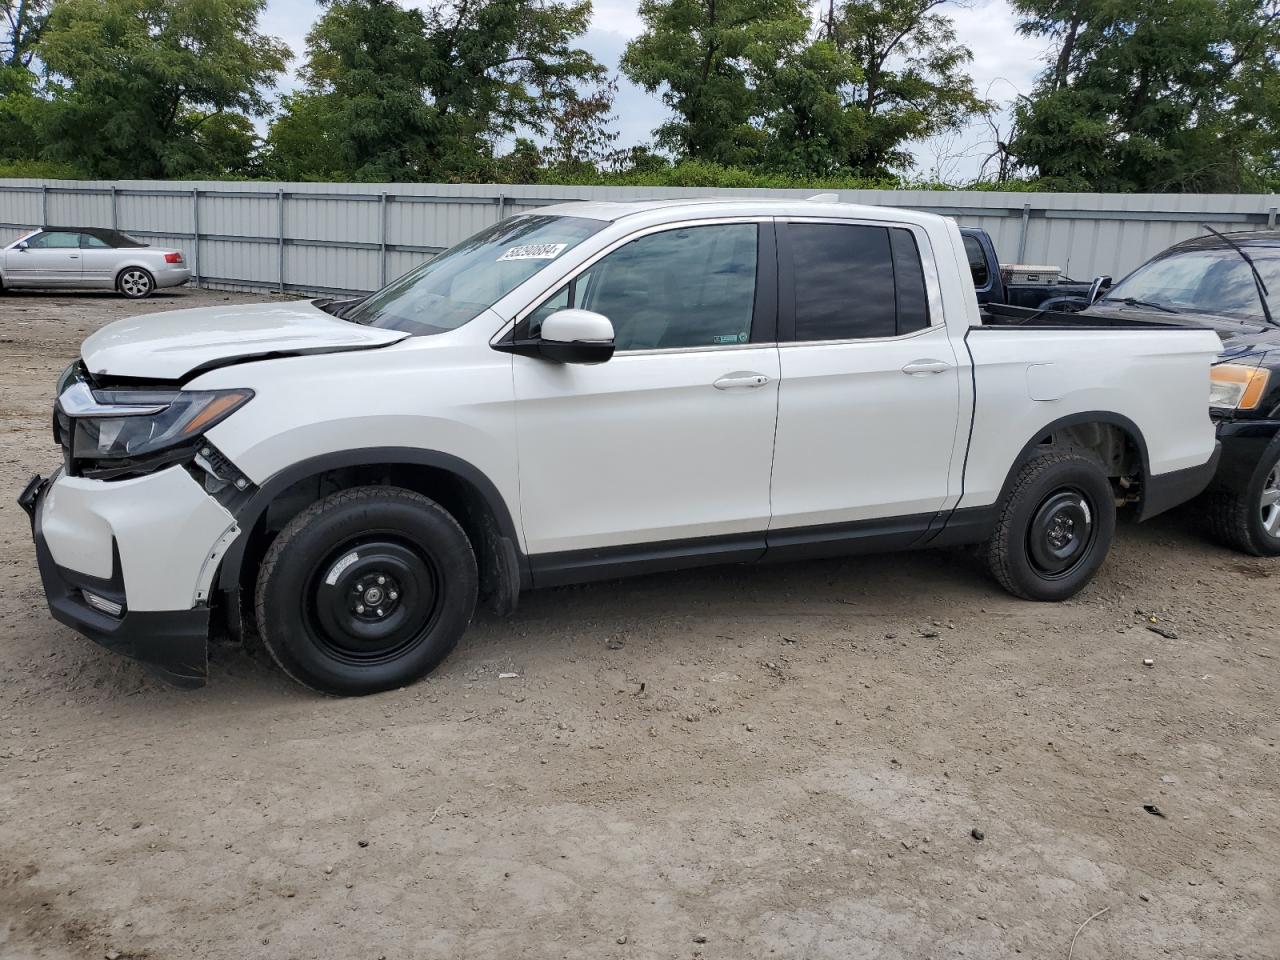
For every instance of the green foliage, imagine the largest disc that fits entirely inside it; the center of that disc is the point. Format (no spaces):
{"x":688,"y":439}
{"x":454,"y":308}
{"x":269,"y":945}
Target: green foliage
{"x":913,"y":81}
{"x":1154,"y":95}
{"x":40,"y":170}
{"x":709,"y":59}
{"x":133,"y":82}
{"x":699,"y":173}
{"x":404,"y":94}
{"x":749,"y":86}
{"x":19,"y":114}
{"x":20,"y":28}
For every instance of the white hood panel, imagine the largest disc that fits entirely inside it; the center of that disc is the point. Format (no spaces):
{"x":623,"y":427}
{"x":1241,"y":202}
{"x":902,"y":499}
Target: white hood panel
{"x":168,"y":346}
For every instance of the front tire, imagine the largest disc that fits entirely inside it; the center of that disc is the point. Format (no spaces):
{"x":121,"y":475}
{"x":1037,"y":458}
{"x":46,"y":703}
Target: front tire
{"x":366,"y":590}
{"x":1248,"y":518}
{"x":1055,"y":528}
{"x":135,"y":283}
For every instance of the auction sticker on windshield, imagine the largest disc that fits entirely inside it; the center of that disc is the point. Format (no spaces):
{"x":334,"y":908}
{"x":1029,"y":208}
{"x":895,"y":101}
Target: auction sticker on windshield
{"x":534,"y":251}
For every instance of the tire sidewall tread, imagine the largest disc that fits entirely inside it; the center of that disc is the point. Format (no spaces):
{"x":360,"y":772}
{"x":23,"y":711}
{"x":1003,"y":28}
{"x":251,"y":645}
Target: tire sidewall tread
{"x":1233,"y":515}
{"x":1006,"y":551}
{"x":287,"y":560}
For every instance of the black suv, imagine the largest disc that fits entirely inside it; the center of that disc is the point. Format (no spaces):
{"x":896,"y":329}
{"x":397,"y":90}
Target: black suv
{"x":1230,"y":282}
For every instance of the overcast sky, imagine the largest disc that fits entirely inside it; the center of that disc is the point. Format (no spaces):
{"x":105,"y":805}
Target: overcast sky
{"x":1004,"y":63}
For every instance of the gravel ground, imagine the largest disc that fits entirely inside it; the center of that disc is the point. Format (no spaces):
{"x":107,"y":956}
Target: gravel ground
{"x":880,"y":757}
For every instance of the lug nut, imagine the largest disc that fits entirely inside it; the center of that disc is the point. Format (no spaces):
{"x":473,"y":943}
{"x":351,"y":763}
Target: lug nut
{"x":359,"y":608}
{"x":379,"y":611}
{"x":393,"y":595}
{"x":382,"y":579}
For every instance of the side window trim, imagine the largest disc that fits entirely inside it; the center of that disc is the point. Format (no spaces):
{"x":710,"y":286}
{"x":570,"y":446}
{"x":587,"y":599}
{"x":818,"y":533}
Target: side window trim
{"x":787,"y":280}
{"x":764,"y":318}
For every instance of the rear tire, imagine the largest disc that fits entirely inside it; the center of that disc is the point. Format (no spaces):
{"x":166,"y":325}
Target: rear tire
{"x":1055,"y":528}
{"x":135,"y":283}
{"x":366,"y":590}
{"x":1248,"y":519}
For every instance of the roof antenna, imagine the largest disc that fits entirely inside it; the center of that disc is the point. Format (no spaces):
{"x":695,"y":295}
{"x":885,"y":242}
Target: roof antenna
{"x":1257,"y":277}
{"x":823,"y":198}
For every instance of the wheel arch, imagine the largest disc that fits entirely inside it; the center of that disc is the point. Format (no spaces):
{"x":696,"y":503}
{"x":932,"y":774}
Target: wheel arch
{"x":1116,"y":442}
{"x":128,"y":265}
{"x":462,"y":488}
{"x":976,"y":524}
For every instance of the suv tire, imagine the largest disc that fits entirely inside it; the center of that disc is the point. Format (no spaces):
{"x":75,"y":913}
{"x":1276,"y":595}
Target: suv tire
{"x":1248,"y":519}
{"x":1055,"y":528}
{"x":366,"y":590}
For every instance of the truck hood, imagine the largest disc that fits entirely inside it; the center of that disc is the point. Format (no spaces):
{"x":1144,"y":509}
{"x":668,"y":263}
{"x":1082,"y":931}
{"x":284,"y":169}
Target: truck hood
{"x":179,"y":343}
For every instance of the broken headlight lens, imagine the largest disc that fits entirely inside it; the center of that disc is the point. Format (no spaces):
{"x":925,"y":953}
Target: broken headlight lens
{"x":130,"y":424}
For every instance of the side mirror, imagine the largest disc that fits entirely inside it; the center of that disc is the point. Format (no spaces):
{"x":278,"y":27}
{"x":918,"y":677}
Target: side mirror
{"x":1095,"y":289}
{"x":22,"y":245}
{"x":576,"y":336}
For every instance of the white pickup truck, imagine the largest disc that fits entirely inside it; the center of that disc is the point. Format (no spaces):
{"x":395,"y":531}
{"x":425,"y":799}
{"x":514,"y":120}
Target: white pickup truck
{"x":590,"y":391}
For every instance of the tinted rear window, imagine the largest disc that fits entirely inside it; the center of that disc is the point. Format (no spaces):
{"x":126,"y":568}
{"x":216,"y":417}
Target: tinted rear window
{"x":854,"y":281}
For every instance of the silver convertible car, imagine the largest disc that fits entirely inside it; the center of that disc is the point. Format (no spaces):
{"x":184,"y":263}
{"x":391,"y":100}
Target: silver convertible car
{"x":91,"y":257}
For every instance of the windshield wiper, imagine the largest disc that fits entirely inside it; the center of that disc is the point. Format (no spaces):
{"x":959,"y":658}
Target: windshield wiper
{"x":1258,"y":282}
{"x":1135,"y":302}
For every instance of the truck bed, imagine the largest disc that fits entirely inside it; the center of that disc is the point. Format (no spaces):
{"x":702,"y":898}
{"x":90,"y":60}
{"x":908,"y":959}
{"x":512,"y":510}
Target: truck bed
{"x":1003,"y":317}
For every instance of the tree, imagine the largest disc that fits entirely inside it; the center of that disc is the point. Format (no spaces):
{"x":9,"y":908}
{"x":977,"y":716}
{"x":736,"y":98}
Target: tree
{"x":582,"y":135}
{"x":397,"y":94}
{"x":1156,"y":95}
{"x":912,"y":80}
{"x":23,"y":23}
{"x":363,"y":114}
{"x":708,"y":58}
{"x":132,"y":82}
{"x":810,"y":121}
{"x":20,"y":30}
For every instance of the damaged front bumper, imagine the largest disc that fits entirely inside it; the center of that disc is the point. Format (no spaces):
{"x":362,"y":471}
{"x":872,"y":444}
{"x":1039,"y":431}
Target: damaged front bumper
{"x":113,"y":556}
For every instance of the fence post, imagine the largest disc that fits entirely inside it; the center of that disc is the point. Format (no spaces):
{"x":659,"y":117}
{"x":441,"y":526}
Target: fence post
{"x":115,"y":217}
{"x":1271,"y":218}
{"x":280,"y":239}
{"x":382,"y":241}
{"x":1022,"y":237}
{"x":44,"y":205}
{"x":195,"y":230}
{"x":502,"y":205}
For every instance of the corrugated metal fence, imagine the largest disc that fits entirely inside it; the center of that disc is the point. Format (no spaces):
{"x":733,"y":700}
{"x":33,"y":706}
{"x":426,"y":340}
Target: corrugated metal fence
{"x":344,"y":237}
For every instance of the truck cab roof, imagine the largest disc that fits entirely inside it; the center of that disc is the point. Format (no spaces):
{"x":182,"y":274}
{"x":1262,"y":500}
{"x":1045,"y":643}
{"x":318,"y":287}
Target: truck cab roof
{"x":674,"y":210}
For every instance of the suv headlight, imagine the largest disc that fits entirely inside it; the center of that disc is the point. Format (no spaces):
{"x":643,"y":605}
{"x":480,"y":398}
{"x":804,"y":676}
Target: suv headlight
{"x":109,"y":429}
{"x":1234,"y":386}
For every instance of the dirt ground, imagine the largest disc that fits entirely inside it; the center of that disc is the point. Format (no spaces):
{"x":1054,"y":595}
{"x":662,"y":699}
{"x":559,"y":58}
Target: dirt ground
{"x":882,"y":757}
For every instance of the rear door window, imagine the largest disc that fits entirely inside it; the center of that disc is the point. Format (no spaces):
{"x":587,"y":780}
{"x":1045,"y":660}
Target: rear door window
{"x":855,"y":281}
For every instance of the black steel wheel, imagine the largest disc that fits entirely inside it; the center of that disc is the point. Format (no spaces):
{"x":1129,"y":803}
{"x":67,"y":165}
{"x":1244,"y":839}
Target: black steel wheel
{"x":365,"y":590}
{"x":1061,"y":533}
{"x":1055,"y":528}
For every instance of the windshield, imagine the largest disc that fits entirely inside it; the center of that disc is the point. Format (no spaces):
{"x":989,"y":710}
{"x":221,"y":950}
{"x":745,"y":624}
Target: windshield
{"x":457,"y":285}
{"x":1213,"y":281}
